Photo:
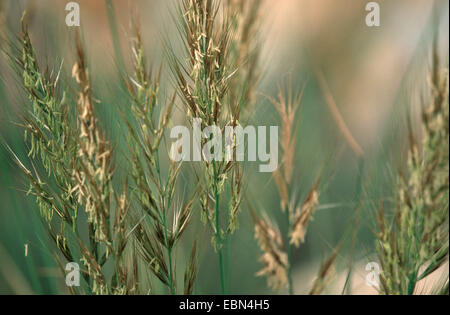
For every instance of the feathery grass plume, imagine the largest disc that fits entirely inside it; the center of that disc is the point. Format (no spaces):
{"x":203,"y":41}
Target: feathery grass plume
{"x":94,"y":171}
{"x":296,"y":220}
{"x":156,"y":196}
{"x":287,"y":109}
{"x":78,"y":163}
{"x":48,"y":128}
{"x":415,"y":243}
{"x":303,"y":215}
{"x":203,"y":83}
{"x":51,"y":133}
{"x":274,"y":258}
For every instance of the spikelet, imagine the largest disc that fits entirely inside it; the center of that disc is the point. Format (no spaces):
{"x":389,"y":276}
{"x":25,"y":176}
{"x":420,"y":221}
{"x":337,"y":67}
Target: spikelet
{"x":274,"y":256}
{"x":207,"y":49}
{"x":303,"y":216}
{"x":287,"y":109}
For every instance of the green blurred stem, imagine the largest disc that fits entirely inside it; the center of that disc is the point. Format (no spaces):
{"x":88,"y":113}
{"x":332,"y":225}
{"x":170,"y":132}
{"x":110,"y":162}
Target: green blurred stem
{"x":164,"y":219}
{"x":359,"y":190}
{"x":114,"y":33}
{"x":218,"y":236}
{"x":169,"y":256}
{"x":289,"y":253}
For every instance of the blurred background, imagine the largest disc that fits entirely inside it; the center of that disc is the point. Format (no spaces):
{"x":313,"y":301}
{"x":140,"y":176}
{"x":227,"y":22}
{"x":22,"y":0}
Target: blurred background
{"x":375,"y":75}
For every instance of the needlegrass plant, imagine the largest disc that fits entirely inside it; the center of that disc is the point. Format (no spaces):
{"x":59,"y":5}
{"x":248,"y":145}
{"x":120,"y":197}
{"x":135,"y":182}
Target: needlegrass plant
{"x":87,"y":177}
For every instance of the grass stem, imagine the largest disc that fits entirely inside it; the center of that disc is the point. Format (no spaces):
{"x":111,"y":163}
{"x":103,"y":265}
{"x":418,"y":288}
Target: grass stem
{"x":289,"y":253}
{"x":164,"y":220}
{"x":218,"y":236}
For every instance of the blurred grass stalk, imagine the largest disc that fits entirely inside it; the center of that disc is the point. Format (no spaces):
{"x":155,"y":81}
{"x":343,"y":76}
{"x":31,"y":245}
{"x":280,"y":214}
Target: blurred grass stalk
{"x":115,"y":35}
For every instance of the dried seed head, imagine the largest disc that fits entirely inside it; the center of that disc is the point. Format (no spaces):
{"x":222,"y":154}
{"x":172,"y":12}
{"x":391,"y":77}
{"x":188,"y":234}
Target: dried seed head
{"x":287,"y":109}
{"x":303,"y":216}
{"x":274,"y":258}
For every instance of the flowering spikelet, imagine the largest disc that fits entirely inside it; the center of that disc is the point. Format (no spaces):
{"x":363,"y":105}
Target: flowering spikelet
{"x":287,"y":109}
{"x":207,"y":47}
{"x":303,"y":215}
{"x":48,"y":130}
{"x":274,"y":257}
{"x":94,"y":172}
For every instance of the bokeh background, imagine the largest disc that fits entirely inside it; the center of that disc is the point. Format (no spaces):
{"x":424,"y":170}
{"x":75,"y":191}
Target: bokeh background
{"x":375,"y":75}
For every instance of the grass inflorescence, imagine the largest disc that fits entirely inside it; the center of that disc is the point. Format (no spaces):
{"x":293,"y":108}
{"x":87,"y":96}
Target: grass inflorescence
{"x":414,"y":243}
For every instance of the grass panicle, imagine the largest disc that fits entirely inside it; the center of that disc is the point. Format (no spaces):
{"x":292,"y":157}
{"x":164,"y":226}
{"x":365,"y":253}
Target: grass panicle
{"x":414,"y":243}
{"x":297,"y":213}
{"x":155,"y":194}
{"x":206,"y":82}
